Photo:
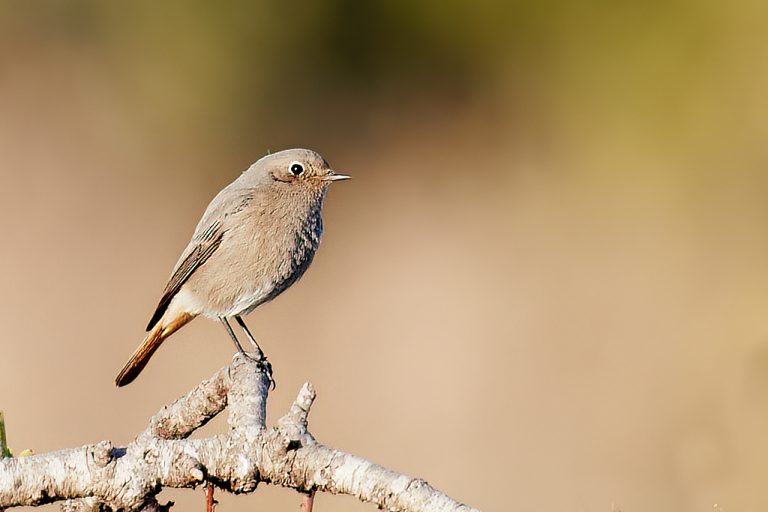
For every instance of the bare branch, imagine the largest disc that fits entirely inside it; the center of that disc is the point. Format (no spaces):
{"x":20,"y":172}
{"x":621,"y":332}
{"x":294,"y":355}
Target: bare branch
{"x":101,"y":476}
{"x":192,"y":411}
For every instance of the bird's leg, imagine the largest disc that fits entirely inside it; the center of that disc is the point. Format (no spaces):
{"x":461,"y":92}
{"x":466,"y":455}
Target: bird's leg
{"x":258,"y":357}
{"x":241,"y":323}
{"x":236,"y":341}
{"x":259,"y":353}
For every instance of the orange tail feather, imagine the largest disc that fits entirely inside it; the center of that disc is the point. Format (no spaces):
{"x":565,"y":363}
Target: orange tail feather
{"x":151,"y":343}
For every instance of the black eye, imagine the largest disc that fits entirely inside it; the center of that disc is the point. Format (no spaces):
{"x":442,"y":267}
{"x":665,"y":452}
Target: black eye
{"x":297,"y":168}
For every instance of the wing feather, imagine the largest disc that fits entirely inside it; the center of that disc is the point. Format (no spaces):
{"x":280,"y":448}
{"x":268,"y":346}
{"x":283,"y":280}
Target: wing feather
{"x":226,"y":206}
{"x":205,"y":245}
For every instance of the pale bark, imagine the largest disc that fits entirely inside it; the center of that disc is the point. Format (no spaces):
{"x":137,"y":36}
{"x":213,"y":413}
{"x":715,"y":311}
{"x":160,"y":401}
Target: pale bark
{"x":102,"y":476}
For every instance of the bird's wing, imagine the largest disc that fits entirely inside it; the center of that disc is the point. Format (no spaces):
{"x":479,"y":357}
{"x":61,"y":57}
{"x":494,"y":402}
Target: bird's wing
{"x":199,"y":254}
{"x":207,"y":238}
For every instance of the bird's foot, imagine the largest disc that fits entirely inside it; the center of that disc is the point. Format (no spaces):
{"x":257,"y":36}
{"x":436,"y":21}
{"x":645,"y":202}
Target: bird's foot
{"x":263,"y":365}
{"x":266,"y":367}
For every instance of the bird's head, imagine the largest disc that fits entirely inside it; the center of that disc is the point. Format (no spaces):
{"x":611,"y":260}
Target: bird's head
{"x":299,"y":168}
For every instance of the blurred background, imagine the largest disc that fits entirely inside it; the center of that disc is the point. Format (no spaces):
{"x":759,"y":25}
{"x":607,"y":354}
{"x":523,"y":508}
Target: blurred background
{"x":545,"y":288}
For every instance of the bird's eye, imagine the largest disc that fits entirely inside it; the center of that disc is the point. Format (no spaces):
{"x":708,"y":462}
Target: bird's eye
{"x":296,"y":168}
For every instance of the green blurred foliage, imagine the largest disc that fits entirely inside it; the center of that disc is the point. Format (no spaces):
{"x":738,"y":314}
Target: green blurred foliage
{"x":667,"y":74}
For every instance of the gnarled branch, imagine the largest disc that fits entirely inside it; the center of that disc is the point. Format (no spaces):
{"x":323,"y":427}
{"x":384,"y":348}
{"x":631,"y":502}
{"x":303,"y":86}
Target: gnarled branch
{"x":102,"y":476}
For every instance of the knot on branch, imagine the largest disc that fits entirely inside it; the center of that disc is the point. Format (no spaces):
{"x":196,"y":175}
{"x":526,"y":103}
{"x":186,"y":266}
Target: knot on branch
{"x":102,"y":454}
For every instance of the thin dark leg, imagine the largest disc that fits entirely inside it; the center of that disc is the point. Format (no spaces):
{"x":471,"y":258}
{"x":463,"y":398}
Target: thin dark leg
{"x":250,"y":337}
{"x":258,"y":357}
{"x":237,"y":342}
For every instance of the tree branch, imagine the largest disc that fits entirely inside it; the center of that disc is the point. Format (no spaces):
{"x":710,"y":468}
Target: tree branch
{"x":103,"y":476}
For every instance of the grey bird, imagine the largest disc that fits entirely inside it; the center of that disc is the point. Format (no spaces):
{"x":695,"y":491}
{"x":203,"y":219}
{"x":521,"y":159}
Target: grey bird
{"x":256,"y":238}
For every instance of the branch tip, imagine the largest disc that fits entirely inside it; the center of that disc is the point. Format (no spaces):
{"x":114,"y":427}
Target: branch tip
{"x":306,"y":396}
{"x":297,"y":415}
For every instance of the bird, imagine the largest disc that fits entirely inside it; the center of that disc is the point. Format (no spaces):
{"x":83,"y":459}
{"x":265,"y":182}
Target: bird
{"x":256,"y":238}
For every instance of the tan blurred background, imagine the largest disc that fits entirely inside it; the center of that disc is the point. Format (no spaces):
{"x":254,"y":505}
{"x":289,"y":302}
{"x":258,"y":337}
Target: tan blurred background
{"x":545,"y":289}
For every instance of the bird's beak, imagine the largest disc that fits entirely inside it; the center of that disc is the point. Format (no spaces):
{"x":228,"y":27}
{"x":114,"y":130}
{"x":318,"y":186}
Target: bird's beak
{"x":333,"y":176}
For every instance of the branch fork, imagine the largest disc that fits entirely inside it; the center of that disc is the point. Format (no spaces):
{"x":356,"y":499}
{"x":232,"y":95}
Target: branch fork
{"x":102,"y":476}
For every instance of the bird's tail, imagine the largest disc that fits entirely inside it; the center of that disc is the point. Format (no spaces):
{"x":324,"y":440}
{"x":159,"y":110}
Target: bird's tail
{"x":151,"y":343}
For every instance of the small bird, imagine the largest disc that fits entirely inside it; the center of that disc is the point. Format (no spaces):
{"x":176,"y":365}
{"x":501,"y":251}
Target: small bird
{"x":256,"y":238}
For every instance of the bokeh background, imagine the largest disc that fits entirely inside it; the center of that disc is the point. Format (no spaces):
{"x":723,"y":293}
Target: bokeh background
{"x":545,"y":288}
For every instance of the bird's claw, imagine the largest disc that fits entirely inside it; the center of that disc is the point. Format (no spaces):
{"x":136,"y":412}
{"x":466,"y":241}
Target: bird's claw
{"x":263,"y":364}
{"x":266,"y":367}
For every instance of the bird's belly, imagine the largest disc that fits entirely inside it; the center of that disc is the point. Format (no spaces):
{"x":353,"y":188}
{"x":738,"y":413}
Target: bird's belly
{"x":248,"y":301}
{"x":237,"y":300}
{"x":264,"y":265}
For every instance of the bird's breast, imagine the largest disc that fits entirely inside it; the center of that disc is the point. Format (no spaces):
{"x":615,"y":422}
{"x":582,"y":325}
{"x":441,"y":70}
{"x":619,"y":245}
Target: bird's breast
{"x":259,"y":259}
